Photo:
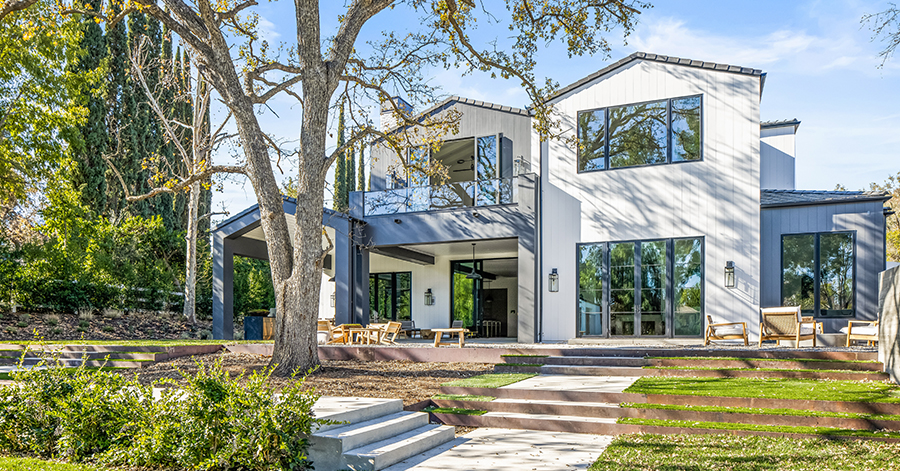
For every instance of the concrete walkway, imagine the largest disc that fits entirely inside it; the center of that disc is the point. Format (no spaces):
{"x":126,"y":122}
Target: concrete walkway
{"x":606,"y":384}
{"x":504,"y":449}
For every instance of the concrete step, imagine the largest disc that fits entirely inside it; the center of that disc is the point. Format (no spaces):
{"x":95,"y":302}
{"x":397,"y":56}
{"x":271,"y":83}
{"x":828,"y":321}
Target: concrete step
{"x":351,"y":410}
{"x":574,"y":370}
{"x":595,"y":361}
{"x":547,"y":417}
{"x":380,"y":455}
{"x":342,"y":439}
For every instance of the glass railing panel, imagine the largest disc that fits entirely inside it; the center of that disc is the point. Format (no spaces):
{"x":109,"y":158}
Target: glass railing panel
{"x":497,"y":191}
{"x":453,"y":195}
{"x":419,"y":199}
{"x":386,"y":202}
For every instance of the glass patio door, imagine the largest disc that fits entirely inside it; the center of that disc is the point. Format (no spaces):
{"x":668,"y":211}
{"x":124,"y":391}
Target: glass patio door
{"x":467,"y":295}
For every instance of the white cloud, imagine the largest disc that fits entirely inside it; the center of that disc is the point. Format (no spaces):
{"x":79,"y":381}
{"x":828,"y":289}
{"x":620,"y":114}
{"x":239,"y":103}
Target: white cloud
{"x":794,"y":50}
{"x":268,"y":32}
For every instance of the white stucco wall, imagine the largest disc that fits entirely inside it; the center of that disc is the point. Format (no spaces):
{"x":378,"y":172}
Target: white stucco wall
{"x":717,"y":198}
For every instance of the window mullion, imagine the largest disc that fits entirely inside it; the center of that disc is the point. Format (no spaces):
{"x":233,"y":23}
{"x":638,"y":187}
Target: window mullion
{"x":637,"y":289}
{"x":669,"y":131}
{"x":818,"y":276}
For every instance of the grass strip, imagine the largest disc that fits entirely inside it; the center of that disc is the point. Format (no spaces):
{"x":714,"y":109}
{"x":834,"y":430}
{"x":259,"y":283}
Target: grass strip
{"x":463,"y":397}
{"x":770,"y":388}
{"x":523,"y":356}
{"x":454,"y":410}
{"x":824,"y":431}
{"x":494,"y":380}
{"x":752,"y":410}
{"x":652,"y":452}
{"x":31,"y":464}
{"x":809,"y":360}
{"x":712,"y":368}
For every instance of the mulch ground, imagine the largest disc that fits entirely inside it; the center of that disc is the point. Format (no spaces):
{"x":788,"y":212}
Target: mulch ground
{"x":136,"y":325}
{"x":410,"y":381}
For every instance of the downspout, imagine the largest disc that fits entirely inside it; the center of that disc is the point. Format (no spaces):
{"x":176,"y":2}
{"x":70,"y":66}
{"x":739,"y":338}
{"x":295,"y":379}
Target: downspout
{"x":539,"y":299}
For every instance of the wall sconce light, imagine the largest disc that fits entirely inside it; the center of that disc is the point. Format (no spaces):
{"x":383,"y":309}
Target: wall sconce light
{"x":729,"y":274}
{"x":429,"y":297}
{"x":554,"y":281}
{"x":332,"y":299}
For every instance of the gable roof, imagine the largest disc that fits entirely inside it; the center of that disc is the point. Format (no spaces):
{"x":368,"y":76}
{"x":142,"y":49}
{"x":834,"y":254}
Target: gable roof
{"x":779,"y":123}
{"x":284,"y":199}
{"x":734,"y":69}
{"x":450,"y":101}
{"x":781,"y":198}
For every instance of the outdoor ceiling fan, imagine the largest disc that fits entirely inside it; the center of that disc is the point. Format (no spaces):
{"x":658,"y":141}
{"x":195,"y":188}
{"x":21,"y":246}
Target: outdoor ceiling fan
{"x":471,"y":166}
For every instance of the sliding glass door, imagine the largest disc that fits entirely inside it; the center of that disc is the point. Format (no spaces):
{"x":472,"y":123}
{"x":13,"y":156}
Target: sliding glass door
{"x":389,"y":297}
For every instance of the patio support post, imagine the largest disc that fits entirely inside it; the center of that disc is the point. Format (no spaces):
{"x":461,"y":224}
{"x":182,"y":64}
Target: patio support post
{"x":223,"y":288}
{"x":343,"y":272}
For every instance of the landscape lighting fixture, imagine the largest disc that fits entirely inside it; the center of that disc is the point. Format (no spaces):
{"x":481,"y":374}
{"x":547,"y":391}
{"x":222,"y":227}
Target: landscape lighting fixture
{"x":474,"y":275}
{"x":729,"y":274}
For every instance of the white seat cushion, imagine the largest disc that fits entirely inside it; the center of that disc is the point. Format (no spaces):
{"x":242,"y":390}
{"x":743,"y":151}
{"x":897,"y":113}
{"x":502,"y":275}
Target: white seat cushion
{"x":807,"y":330}
{"x":728,"y":330}
{"x":322,"y":337}
{"x":862,"y":330}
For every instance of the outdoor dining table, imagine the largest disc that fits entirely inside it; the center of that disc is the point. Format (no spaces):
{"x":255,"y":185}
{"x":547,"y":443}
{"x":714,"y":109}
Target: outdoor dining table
{"x":366,"y":335}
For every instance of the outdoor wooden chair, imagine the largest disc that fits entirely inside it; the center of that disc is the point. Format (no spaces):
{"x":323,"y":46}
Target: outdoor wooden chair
{"x":392,"y":329}
{"x":725,"y":331}
{"x":455,"y":325}
{"x":408,"y":329}
{"x":863,"y":330}
{"x":786,"y":323}
{"x":341,"y":334}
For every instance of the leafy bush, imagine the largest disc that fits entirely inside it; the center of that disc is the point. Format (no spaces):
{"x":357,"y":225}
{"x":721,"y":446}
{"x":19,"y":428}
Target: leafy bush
{"x":212,"y":421}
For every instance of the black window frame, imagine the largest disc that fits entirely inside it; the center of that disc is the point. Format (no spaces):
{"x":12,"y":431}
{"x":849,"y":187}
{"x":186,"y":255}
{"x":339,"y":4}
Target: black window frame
{"x":669,"y":287}
{"x":669,"y":139}
{"x":817,"y":282}
{"x":395,"y":292}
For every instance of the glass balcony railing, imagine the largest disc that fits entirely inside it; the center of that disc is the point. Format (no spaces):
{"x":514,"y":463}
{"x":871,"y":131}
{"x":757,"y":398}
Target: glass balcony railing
{"x":450,"y":196}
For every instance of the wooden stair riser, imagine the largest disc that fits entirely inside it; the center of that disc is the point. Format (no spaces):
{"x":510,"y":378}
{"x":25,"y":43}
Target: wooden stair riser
{"x":794,"y":365}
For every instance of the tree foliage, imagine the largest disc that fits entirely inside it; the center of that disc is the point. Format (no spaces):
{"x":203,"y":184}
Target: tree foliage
{"x":885,"y":26}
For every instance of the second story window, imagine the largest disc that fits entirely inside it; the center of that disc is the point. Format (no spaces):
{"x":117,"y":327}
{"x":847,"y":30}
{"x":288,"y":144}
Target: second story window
{"x":650,"y":133}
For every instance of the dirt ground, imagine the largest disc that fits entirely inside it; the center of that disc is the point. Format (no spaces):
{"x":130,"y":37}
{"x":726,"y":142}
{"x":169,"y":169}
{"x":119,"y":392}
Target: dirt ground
{"x":410,"y":381}
{"x":127,"y":326}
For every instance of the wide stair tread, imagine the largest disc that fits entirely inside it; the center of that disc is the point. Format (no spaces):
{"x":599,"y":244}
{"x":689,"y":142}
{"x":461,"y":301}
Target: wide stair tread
{"x":596,"y":361}
{"x":563,"y":418}
{"x":381,"y":454}
{"x":582,"y":370}
{"x":364,"y":433}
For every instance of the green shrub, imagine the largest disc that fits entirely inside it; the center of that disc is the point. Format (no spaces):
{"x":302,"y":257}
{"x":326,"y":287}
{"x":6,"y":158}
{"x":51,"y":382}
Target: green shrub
{"x":24,"y":318}
{"x":51,"y":320}
{"x":83,"y":324}
{"x":55,"y":331}
{"x":21,"y":324}
{"x":212,"y":421}
{"x":109,"y":328}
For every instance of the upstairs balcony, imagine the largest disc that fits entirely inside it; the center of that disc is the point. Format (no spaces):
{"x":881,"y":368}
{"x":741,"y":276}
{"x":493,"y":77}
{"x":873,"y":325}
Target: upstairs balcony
{"x":455,"y":195}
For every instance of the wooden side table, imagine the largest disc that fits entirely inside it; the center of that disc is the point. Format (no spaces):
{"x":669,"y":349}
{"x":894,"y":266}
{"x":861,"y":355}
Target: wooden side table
{"x":439,"y":333}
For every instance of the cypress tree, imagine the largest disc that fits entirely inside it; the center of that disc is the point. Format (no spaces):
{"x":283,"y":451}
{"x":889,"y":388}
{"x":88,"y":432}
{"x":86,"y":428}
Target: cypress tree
{"x":134,"y":163}
{"x":362,"y":168}
{"x":174,"y":205}
{"x":89,"y":145}
{"x":117,"y":72}
{"x":351,"y":175}
{"x":340,"y":171}
{"x":206,"y":185}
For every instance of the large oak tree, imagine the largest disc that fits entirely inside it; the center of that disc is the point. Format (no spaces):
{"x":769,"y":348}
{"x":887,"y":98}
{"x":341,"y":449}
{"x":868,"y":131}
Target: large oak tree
{"x":320,"y":68}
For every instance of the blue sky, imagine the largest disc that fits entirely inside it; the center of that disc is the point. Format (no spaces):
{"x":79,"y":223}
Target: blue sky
{"x":821,"y":63}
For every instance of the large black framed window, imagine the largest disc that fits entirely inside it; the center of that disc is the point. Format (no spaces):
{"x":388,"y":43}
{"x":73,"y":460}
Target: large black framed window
{"x":390,"y":296}
{"x":818,"y":273}
{"x":635,"y":135}
{"x":641,"y":288}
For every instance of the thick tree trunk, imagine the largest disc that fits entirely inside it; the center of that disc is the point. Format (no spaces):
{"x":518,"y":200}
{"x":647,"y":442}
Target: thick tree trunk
{"x":190,"y":279}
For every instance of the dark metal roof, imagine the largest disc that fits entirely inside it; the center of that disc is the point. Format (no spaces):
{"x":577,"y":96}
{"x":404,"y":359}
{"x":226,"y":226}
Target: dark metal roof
{"x":284,"y":199}
{"x":779,"y":198}
{"x":780,"y":123}
{"x":734,"y":69}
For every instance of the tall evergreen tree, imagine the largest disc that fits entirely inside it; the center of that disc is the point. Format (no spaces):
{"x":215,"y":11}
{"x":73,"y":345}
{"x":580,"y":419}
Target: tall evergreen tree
{"x":361,"y":184}
{"x":116,"y":98}
{"x":350,"y":171}
{"x":89,"y":144}
{"x":340,"y":171}
{"x":133,"y":162}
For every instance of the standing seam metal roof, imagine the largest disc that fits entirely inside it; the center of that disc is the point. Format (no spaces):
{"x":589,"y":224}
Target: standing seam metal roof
{"x":776,"y":198}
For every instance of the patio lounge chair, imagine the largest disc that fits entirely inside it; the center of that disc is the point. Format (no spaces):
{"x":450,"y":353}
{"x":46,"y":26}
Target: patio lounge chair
{"x":455,"y":325}
{"x":391,"y":330}
{"x":786,"y":323}
{"x":725,"y":331}
{"x":408,"y":329}
{"x":864,"y":330}
{"x":323,"y":331}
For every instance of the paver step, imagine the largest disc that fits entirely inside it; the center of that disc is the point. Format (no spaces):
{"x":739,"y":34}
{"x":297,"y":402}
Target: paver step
{"x":352,"y":436}
{"x":379,"y":455}
{"x":764,"y":363}
{"x":548,"y":417}
{"x":596,"y":361}
{"x":351,"y":410}
{"x":577,"y":370}
{"x":530,"y":406}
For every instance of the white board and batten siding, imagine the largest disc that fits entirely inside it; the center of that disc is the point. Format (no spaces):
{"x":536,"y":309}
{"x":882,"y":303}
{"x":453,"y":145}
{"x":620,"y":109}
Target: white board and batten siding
{"x":716,"y":198}
{"x":777,"y":158}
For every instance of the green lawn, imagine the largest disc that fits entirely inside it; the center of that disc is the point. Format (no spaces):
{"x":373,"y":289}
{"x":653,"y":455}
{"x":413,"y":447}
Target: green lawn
{"x":463,"y":397}
{"x":751,"y":410}
{"x":725,"y":452}
{"x":770,"y":388}
{"x":494,"y":380}
{"x":29,"y":464}
{"x":762,"y":359}
{"x":824,"y":431}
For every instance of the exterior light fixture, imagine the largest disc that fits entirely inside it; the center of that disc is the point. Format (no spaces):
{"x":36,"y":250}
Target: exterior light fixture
{"x":729,"y":274}
{"x":554,"y":281}
{"x":332,"y":299}
{"x":429,"y":297}
{"x":474,"y":275}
